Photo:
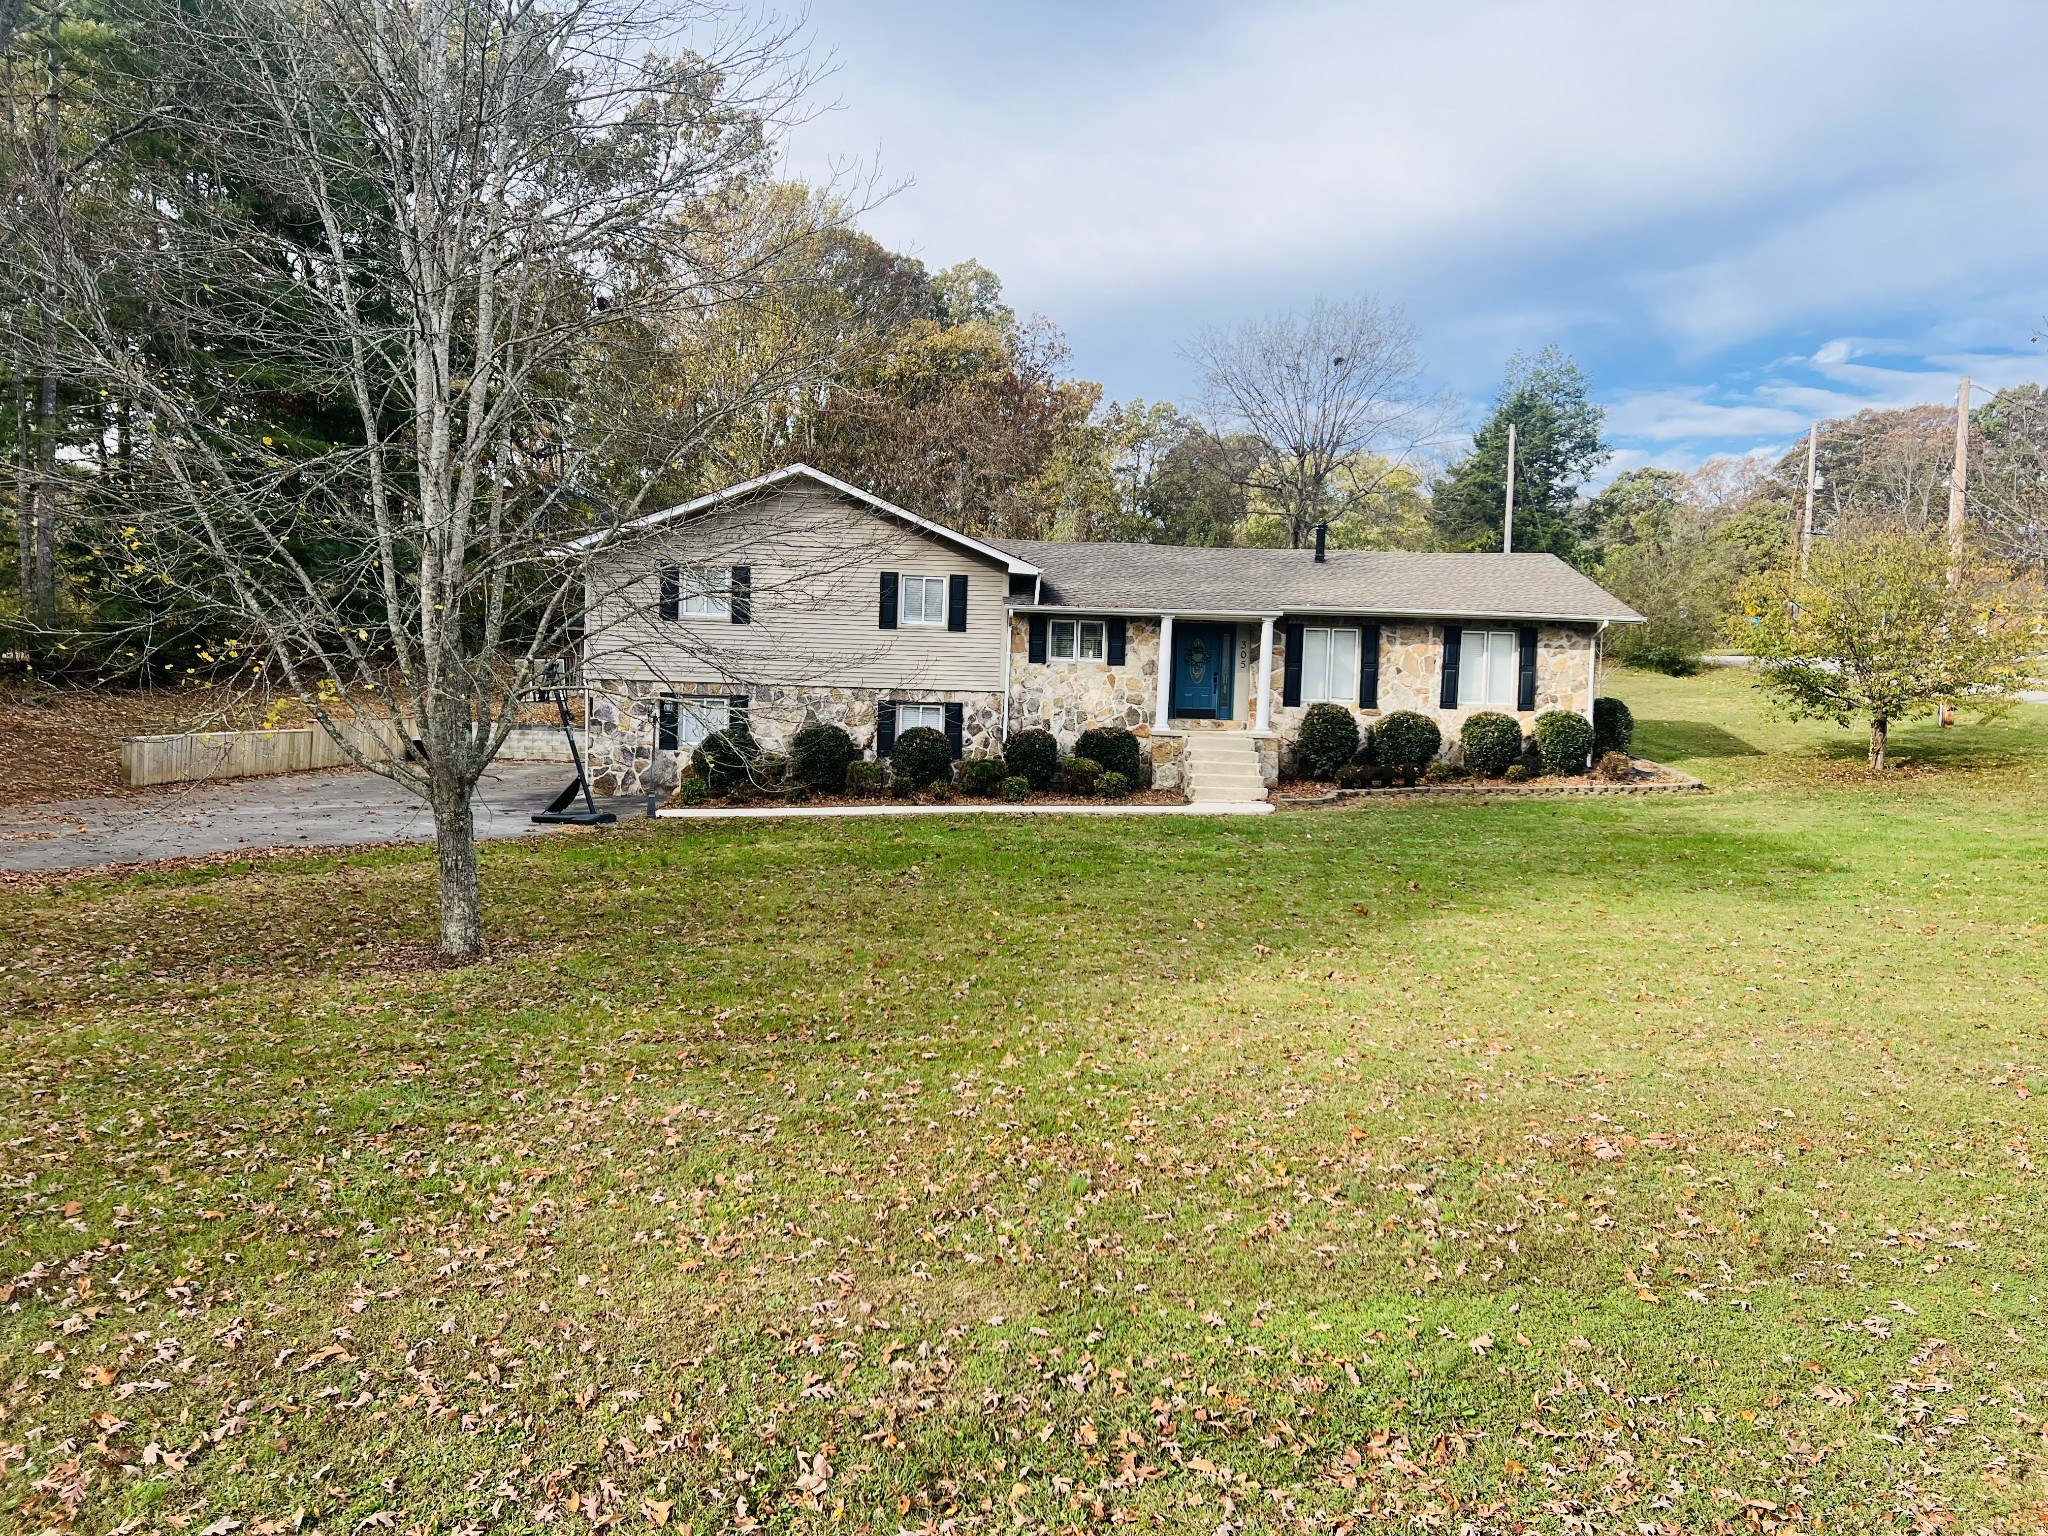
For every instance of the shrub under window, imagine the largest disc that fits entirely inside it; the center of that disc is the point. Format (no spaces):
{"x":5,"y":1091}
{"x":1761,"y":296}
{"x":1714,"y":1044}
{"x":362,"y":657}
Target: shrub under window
{"x":1564,"y":741}
{"x":1113,"y":747}
{"x":1405,"y":739}
{"x":1492,"y":743}
{"x":922,"y":756}
{"x":1034,"y":756}
{"x":723,"y":758}
{"x":1328,"y":741}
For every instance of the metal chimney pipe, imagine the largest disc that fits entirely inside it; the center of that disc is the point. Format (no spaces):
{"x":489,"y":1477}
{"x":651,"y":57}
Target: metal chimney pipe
{"x":1322,"y":542}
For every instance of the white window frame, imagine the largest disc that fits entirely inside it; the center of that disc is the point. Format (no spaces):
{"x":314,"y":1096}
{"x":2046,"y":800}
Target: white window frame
{"x":1328,"y":684}
{"x":1077,"y":640}
{"x":698,"y":718}
{"x":935,"y":722}
{"x":704,"y":594}
{"x":1489,"y":666}
{"x":926,"y":616}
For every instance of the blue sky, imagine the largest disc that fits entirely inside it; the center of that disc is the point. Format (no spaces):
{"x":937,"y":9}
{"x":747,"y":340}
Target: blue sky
{"x":1735,"y":216}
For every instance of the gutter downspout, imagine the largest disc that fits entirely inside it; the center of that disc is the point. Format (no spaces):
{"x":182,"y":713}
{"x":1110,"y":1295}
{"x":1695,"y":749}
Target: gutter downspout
{"x":1009,"y":652}
{"x":1593,"y":670}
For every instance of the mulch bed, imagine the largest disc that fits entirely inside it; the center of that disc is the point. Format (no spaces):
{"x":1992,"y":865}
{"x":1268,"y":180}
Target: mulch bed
{"x":767,"y":802}
{"x":1645,"y":777}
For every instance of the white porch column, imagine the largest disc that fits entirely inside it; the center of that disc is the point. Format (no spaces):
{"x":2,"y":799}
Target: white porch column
{"x":1265,"y":720}
{"x":1165,"y":671}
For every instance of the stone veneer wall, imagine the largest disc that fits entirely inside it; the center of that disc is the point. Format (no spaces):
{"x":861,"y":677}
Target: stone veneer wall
{"x":622,"y":759}
{"x":1411,"y":677}
{"x":1066,"y":697}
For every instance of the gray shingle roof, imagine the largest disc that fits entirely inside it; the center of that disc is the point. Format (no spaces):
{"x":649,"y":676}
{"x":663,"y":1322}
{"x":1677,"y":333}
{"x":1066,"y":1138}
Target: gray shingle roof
{"x":1169,"y":578}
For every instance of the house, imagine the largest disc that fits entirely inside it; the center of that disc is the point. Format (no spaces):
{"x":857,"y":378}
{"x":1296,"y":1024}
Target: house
{"x":797,"y":597}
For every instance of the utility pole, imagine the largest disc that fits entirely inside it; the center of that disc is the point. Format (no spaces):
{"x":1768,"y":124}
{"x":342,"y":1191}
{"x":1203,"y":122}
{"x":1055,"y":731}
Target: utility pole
{"x":1507,"y":531}
{"x":1806,"y":517}
{"x":1958,"y":485}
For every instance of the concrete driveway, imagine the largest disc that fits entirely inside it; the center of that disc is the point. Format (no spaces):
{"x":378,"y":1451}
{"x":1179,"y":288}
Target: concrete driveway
{"x":301,"y":810}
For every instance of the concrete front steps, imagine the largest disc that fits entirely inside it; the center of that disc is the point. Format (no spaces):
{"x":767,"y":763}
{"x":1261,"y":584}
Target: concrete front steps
{"x":1223,"y":766}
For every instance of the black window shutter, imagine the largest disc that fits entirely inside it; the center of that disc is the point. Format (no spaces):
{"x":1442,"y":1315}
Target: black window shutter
{"x":956,"y":729}
{"x":742,"y":603}
{"x":671,"y":593}
{"x":885,"y":727}
{"x":665,"y":729}
{"x":736,"y":713}
{"x":956,"y":605}
{"x":1116,"y":642}
{"x":1454,"y":640}
{"x":888,"y":599}
{"x":1290,"y":666}
{"x":1038,"y":627}
{"x":1525,"y":683}
{"x":1369,"y":667}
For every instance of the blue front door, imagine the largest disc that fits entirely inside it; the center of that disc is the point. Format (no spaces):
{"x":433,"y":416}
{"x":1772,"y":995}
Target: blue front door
{"x":1204,"y":662}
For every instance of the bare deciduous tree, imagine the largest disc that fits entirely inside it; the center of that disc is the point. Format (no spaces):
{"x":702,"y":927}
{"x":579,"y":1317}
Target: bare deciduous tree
{"x":1337,"y":392}
{"x":388,"y":318}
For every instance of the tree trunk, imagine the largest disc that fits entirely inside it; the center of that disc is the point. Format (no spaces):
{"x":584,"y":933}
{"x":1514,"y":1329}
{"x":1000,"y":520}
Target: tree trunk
{"x":1880,"y":736}
{"x":462,"y":924}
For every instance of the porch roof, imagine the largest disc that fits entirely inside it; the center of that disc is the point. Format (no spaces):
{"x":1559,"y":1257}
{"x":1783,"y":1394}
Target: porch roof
{"x":1181,"y":579}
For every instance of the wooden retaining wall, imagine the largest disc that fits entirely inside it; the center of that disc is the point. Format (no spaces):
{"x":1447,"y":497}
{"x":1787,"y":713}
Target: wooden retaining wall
{"x":197,"y":755}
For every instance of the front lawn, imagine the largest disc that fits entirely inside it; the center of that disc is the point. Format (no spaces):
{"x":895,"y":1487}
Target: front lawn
{"x":1635,"y":1165}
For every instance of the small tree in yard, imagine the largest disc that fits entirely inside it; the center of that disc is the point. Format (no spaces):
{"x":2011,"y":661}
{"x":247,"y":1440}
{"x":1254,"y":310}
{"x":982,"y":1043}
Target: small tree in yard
{"x":1877,"y":631}
{"x":476,"y":236}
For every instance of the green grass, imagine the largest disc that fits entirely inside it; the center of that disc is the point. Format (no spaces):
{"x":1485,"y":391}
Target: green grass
{"x":1650,"y":1165}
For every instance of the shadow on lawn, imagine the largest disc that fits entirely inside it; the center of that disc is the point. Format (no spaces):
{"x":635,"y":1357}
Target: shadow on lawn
{"x":1666,"y":739}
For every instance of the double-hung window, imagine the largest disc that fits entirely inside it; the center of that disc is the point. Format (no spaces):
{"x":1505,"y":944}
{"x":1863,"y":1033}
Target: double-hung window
{"x":1078,"y":640}
{"x":1487,"y":660}
{"x":686,"y":722}
{"x":705,"y":593}
{"x":910,"y":717}
{"x":923,"y":600}
{"x":1329,"y":666}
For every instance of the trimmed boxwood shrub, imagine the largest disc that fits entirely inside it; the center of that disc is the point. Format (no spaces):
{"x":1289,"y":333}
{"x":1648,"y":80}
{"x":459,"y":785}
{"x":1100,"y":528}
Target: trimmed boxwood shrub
{"x":1564,"y":741}
{"x":1518,"y":773}
{"x":1440,"y":773}
{"x":1614,"y":727}
{"x":1328,"y":740}
{"x":723,"y":758}
{"x":1492,"y":743}
{"x":693,"y":790}
{"x":1016,"y":789}
{"x":983,"y":777}
{"x":922,"y":756}
{"x":1113,"y":747}
{"x":864,"y":780}
{"x":818,"y":757}
{"x":1405,"y":739}
{"x":1080,"y":775}
{"x":1113,"y":786}
{"x":1033,"y":755}
{"x":1614,"y":767}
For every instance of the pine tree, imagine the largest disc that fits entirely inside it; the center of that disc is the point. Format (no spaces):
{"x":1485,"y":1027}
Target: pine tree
{"x":1558,"y":445}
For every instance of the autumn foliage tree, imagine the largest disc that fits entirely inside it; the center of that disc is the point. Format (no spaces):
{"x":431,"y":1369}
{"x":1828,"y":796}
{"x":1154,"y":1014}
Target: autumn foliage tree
{"x":1876,"y":631}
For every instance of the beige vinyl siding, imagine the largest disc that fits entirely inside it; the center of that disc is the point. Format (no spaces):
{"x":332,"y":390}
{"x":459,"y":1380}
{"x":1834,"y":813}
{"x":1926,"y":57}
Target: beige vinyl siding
{"x":817,"y":564}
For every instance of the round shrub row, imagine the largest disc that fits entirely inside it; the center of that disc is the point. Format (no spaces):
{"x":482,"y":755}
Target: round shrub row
{"x":922,"y":756}
{"x":1328,"y":740}
{"x":1614,"y":727}
{"x":1564,"y":741}
{"x":1405,"y":739}
{"x":1033,"y":756}
{"x":1492,"y":743}
{"x":1115,"y":748}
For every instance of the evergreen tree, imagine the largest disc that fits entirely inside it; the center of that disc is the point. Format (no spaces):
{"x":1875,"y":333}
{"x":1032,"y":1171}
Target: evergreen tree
{"x":1558,"y":445}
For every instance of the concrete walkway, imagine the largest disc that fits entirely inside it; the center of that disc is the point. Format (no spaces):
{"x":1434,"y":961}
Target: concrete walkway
{"x":300,"y":810}
{"x":884,"y":808}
